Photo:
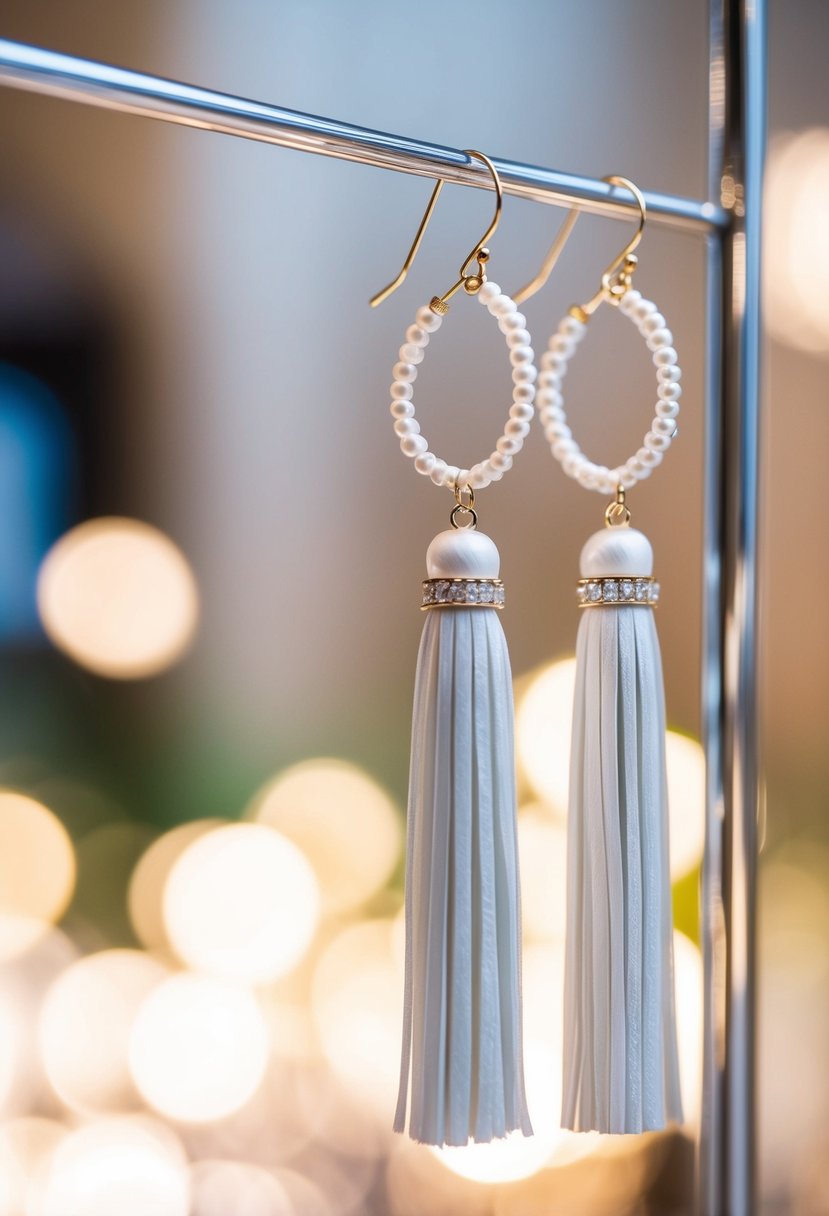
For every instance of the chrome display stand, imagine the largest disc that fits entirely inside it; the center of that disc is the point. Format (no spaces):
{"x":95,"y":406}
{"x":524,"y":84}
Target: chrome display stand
{"x":730,"y":222}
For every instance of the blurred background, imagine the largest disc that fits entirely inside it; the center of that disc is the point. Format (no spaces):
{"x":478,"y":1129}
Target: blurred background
{"x":205,"y":698}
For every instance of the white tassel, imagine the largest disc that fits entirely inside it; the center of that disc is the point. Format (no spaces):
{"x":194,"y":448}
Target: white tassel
{"x":462,"y":1038}
{"x":620,"y":1053}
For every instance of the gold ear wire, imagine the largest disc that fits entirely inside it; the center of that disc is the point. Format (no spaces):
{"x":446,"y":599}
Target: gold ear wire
{"x":471,"y":283}
{"x":616,"y":278}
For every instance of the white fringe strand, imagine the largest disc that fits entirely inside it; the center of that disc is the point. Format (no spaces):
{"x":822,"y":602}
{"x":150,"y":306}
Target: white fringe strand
{"x":462,"y":1038}
{"x":620,"y":1054}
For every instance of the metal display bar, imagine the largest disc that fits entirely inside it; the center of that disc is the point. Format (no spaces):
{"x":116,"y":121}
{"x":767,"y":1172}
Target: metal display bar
{"x":112,"y":88}
{"x":731,"y":225}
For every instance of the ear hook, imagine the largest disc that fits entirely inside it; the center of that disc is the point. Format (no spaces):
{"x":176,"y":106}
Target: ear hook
{"x":471,"y":283}
{"x":613,"y":285}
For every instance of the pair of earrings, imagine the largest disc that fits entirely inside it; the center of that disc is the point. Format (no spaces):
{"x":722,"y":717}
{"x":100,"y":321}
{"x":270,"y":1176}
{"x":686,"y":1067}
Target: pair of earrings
{"x":462,"y":1069}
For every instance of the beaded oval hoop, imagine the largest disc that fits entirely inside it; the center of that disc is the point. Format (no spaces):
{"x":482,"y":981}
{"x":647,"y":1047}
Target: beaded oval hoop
{"x":653,"y":328}
{"x":513,"y":326}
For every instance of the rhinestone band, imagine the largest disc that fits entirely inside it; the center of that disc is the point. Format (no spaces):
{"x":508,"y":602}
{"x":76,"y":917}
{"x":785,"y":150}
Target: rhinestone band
{"x":463,"y":593}
{"x":618,"y":592}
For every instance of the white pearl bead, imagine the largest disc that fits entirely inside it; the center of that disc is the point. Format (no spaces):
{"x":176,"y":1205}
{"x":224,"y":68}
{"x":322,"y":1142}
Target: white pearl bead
{"x":643,"y":308}
{"x":553,"y":362}
{"x":525,"y":374}
{"x":652,"y":322}
{"x":413,"y":445}
{"x":488,"y":292}
{"x":516,"y":429}
{"x":462,"y":553}
{"x":512,"y":320}
{"x":425,"y":462}
{"x":665,"y":355}
{"x":663,"y":426}
{"x":405,"y":372}
{"x":660,"y":337}
{"x":657,"y":443}
{"x":452,"y":475}
{"x":402,"y":409}
{"x":479,"y":477}
{"x":409,"y":353}
{"x":508,"y":446}
{"x":406,"y":426}
{"x":649,"y":457}
{"x":571,"y":464}
{"x":551,"y":413}
{"x":669,"y":392}
{"x":617,"y":551}
{"x":557,"y":430}
{"x":669,"y":375}
{"x":428,"y":320}
{"x":417,"y":335}
{"x":548,"y":378}
{"x":401,"y":390}
{"x":524,"y":393}
{"x":624,"y":478}
{"x":501,"y":462}
{"x":522,"y":411}
{"x":637,"y":468}
{"x":562,"y":346}
{"x":667,"y":409}
{"x":606,"y":483}
{"x":502,"y":305}
{"x":520,"y":354}
{"x":564,"y":447}
{"x":438,"y":472}
{"x":571,"y":327}
{"x":629,"y":300}
{"x":519,"y":337}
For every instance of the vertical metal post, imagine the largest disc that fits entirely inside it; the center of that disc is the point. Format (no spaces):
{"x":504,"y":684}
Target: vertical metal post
{"x":737,"y":148}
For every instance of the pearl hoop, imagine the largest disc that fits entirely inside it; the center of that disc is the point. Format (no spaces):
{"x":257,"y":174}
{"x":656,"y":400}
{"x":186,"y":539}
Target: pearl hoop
{"x":653,"y":328}
{"x":513,"y":326}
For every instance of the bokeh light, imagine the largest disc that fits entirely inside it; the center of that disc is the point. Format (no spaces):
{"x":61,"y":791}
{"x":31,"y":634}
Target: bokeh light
{"x":145,"y":893}
{"x":26,"y":1149}
{"x":343,"y":821}
{"x":118,"y":597}
{"x":241,"y":903}
{"x":358,"y":1008}
{"x":199,"y":1048}
{"x":688,"y":987}
{"x":235,"y":1188}
{"x":131,"y":1167}
{"x":85,"y":1028}
{"x":543,"y":725}
{"x":37,"y":871}
{"x":543,"y":732}
{"x":542,"y":854}
{"x":797,"y":239}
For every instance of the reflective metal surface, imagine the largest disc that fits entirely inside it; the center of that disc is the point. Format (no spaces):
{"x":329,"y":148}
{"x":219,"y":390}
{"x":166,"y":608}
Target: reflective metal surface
{"x":113,"y":88}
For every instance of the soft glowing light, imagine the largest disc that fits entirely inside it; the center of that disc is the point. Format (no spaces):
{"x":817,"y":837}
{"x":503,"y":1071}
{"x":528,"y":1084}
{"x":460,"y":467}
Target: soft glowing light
{"x":342,"y":820}
{"x":542,"y":853}
{"x":543,"y":728}
{"x":145,"y":896}
{"x":358,"y":1006}
{"x":686,"y":802}
{"x":689,"y":1015}
{"x":241,"y":903}
{"x":85,"y":1027}
{"x":26,"y":1149}
{"x":234,"y":1188}
{"x":118,"y":597}
{"x":37,"y":872}
{"x":126,"y":1166}
{"x":797,"y":238}
{"x":199,"y":1048}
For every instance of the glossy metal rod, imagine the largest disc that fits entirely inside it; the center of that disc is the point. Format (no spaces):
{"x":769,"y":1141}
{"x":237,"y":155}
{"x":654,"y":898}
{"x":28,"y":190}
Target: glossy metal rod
{"x":112,"y":88}
{"x":737,"y":150}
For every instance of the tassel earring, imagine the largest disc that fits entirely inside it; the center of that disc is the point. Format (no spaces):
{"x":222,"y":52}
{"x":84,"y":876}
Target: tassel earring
{"x":461,"y":1075}
{"x":620,"y":1051}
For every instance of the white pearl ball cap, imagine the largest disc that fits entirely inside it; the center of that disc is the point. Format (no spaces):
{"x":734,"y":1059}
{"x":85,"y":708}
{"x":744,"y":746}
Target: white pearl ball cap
{"x":462,"y":553}
{"x":617,"y":551}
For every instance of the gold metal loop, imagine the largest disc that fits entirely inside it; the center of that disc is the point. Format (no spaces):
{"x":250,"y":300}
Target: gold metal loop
{"x":618,"y":276}
{"x":471,"y":283}
{"x":550,"y":259}
{"x":460,"y":509}
{"x":469,"y":503}
{"x":617,"y":514}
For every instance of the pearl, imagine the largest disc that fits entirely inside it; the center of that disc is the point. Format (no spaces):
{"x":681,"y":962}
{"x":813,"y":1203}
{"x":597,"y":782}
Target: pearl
{"x":428,"y":320}
{"x":572,"y":464}
{"x":523,"y":393}
{"x":657,"y":443}
{"x":402,"y":409}
{"x":401,"y":390}
{"x":502,"y":306}
{"x":512,"y":320}
{"x":649,"y":457}
{"x":522,"y":411}
{"x":409,"y":353}
{"x":564,"y":447}
{"x":553,"y":361}
{"x":669,"y":392}
{"x":425,"y":462}
{"x":551,"y":413}
{"x":617,"y":551}
{"x":438,"y":472}
{"x":413,"y":445}
{"x":667,"y":409}
{"x":524,"y":374}
{"x":488,"y":292}
{"x":665,"y":354}
{"x":520,"y":354}
{"x":519,"y":337}
{"x":663,"y":426}
{"x":499,"y":462}
{"x":629,"y":300}
{"x":479,"y":477}
{"x":406,"y":426}
{"x":406,"y":372}
{"x":451,"y":476}
{"x":557,"y":430}
{"x":643,"y":308}
{"x":652,"y":322}
{"x":562,"y":346}
{"x":572,"y":327}
{"x":515,"y":429}
{"x":417,"y":335}
{"x":548,"y":378}
{"x":508,"y":446}
{"x":462,"y":553}
{"x":668,"y":375}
